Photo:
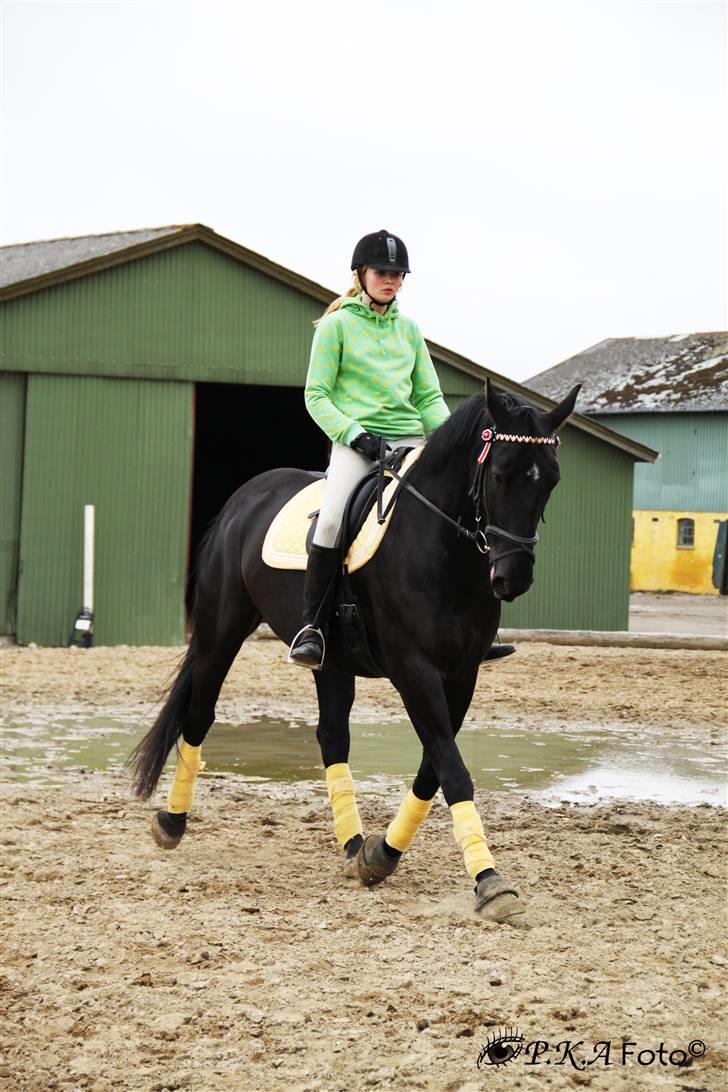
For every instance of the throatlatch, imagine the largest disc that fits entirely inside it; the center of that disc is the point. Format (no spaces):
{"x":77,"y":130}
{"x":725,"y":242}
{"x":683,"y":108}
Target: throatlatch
{"x":340,"y":785}
{"x":189,"y":764}
{"x":470,"y":836}
{"x":408,"y":820}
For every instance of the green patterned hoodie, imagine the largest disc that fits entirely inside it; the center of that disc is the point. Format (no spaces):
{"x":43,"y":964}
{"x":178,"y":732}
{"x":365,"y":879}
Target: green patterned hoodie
{"x":372,"y":373}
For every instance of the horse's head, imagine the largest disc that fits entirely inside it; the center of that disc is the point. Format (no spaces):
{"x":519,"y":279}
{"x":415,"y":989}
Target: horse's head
{"x":516,"y":471}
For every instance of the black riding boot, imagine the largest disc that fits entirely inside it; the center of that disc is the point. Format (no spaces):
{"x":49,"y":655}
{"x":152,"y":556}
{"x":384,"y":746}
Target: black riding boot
{"x":498,"y":651}
{"x":307,"y":648}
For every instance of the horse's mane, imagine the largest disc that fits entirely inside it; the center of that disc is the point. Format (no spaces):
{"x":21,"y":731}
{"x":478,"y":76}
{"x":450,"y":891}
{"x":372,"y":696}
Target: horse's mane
{"x":461,"y":431}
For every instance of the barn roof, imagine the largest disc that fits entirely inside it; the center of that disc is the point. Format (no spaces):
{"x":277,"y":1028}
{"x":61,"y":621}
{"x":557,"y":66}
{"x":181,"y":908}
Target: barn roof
{"x":28,"y":261}
{"x":31,"y":267}
{"x":28,"y":267}
{"x":684,"y":373}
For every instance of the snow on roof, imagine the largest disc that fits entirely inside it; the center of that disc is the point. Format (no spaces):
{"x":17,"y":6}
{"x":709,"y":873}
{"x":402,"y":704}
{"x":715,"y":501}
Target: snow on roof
{"x":685,"y":373}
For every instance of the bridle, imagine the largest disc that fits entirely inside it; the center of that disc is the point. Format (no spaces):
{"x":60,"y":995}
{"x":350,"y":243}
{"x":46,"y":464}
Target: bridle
{"x":477,"y":492}
{"x":480,"y":535}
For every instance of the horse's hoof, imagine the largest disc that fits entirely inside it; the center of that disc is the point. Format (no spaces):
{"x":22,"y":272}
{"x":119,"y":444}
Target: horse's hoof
{"x":497,"y":900}
{"x":168,"y":828}
{"x":373,"y":864}
{"x":350,"y":867}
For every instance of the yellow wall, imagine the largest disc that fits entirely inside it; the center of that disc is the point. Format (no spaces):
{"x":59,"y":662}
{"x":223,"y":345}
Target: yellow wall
{"x":659,"y":564}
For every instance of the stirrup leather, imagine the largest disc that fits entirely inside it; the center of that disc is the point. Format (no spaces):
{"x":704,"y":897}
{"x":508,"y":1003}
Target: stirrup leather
{"x":303,"y":629}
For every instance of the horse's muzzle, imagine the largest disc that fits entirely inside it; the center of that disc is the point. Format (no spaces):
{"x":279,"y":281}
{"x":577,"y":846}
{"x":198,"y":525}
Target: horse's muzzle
{"x":509,"y":585}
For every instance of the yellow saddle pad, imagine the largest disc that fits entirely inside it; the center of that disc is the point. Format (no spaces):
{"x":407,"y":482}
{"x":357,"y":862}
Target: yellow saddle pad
{"x":285,"y":544}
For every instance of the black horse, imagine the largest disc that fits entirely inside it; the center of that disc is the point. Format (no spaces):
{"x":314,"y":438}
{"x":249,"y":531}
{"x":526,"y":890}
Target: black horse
{"x":431,"y":600}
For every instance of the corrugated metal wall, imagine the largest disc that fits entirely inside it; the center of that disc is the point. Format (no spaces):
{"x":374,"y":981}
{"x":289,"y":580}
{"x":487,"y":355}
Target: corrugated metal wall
{"x":692,"y":471}
{"x":126,"y":447}
{"x":12,"y":421}
{"x":582,"y":560}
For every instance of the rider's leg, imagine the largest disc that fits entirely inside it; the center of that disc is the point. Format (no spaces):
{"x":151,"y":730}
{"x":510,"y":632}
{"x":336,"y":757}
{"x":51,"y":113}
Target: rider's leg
{"x":346,"y":468}
{"x":498,"y":651}
{"x":307,"y":647}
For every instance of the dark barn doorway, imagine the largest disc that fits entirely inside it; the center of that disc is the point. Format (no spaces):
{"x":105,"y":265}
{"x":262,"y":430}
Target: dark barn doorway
{"x":240,"y":431}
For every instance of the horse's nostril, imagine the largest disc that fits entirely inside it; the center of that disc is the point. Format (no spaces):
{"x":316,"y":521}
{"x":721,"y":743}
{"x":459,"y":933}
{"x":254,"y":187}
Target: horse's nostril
{"x":499,"y":586}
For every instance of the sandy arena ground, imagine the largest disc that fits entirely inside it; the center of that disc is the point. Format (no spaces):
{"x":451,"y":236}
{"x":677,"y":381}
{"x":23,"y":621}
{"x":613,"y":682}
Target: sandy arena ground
{"x":244,"y":961}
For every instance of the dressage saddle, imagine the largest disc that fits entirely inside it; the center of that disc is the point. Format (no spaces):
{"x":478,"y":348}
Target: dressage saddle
{"x":363,"y":496}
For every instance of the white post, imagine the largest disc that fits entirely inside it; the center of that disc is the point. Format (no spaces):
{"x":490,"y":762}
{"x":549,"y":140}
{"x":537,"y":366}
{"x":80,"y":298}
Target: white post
{"x":88,"y":556}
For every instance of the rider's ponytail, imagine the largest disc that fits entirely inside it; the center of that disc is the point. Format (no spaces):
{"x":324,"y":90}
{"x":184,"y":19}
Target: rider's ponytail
{"x":355,"y":289}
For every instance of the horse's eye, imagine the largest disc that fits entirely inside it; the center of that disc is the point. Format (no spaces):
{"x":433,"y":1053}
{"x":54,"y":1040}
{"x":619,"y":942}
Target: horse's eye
{"x":497,"y":477}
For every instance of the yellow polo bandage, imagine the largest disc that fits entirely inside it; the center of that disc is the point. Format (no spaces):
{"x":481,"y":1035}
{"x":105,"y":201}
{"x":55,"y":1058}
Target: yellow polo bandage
{"x":189,"y":764}
{"x":340,"y":785}
{"x":412,"y":813}
{"x":470,"y":836}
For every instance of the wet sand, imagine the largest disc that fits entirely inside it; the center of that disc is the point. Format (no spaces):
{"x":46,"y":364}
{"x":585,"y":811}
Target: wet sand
{"x":243,"y":960}
{"x":541,"y":686}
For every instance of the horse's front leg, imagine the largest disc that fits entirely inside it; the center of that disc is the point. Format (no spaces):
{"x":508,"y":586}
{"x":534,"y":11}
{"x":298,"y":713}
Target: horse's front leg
{"x":437,"y":710}
{"x":414,"y":809}
{"x":335,"y":697}
{"x":436,"y":713}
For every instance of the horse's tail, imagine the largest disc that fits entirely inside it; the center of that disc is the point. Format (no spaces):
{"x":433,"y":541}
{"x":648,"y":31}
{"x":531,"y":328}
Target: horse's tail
{"x":150,"y":754}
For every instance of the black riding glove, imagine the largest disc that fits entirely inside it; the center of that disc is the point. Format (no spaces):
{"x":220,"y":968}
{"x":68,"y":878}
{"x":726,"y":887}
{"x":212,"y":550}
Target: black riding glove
{"x":368,"y":444}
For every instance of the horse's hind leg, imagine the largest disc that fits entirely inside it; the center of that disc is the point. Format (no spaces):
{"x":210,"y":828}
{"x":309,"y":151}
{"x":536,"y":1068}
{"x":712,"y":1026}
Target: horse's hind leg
{"x":335,"y":697}
{"x":221,"y":626}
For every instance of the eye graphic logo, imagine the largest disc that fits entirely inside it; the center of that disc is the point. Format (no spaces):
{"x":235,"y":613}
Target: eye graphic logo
{"x":502,"y":1047}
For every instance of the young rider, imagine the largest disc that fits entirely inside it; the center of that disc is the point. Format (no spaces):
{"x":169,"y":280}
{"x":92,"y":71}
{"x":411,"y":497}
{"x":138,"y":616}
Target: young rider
{"x":370,"y":376}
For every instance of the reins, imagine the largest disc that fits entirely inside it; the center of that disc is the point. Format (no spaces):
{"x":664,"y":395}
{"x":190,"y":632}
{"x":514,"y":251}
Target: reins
{"x":480,"y":535}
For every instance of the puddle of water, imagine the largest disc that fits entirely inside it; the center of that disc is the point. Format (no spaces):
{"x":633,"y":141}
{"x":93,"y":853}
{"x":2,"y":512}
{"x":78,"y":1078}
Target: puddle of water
{"x":33,"y":749}
{"x":574,"y":764}
{"x":612,"y":779}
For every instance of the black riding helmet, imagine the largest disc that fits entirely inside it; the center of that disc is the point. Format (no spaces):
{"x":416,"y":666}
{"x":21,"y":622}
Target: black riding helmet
{"x":381,"y":250}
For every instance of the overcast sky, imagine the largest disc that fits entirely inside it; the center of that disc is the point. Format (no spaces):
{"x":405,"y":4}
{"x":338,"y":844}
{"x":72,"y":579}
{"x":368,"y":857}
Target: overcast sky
{"x":557,"y":169}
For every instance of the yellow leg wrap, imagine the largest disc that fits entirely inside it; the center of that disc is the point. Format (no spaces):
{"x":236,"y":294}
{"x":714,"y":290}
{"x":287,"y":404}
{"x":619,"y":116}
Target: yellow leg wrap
{"x":470,"y":836}
{"x":340,"y":785}
{"x":412,"y":813}
{"x":189,"y":764}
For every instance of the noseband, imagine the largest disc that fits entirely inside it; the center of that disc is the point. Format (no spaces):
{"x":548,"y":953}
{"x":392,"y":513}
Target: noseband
{"x":477,"y":492}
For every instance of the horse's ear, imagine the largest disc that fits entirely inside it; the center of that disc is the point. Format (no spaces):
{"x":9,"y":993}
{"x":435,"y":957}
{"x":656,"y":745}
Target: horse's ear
{"x":555,"y":418}
{"x":496,"y":409}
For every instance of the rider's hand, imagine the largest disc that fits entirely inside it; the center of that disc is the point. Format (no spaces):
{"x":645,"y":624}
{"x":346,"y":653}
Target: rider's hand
{"x":367,"y":444}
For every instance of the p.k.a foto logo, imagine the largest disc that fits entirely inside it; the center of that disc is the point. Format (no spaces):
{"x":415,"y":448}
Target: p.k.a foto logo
{"x":508,"y":1044}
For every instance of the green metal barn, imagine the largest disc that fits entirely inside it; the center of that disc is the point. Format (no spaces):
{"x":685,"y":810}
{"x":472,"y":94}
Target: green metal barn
{"x":150,"y":373}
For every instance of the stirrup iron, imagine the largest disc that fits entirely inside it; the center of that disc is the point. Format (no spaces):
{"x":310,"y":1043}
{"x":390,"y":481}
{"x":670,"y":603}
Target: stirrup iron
{"x":297,"y":663}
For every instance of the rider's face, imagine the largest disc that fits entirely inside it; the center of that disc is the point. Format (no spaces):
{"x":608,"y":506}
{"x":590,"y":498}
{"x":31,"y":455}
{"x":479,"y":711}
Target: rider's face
{"x":382,"y":284}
